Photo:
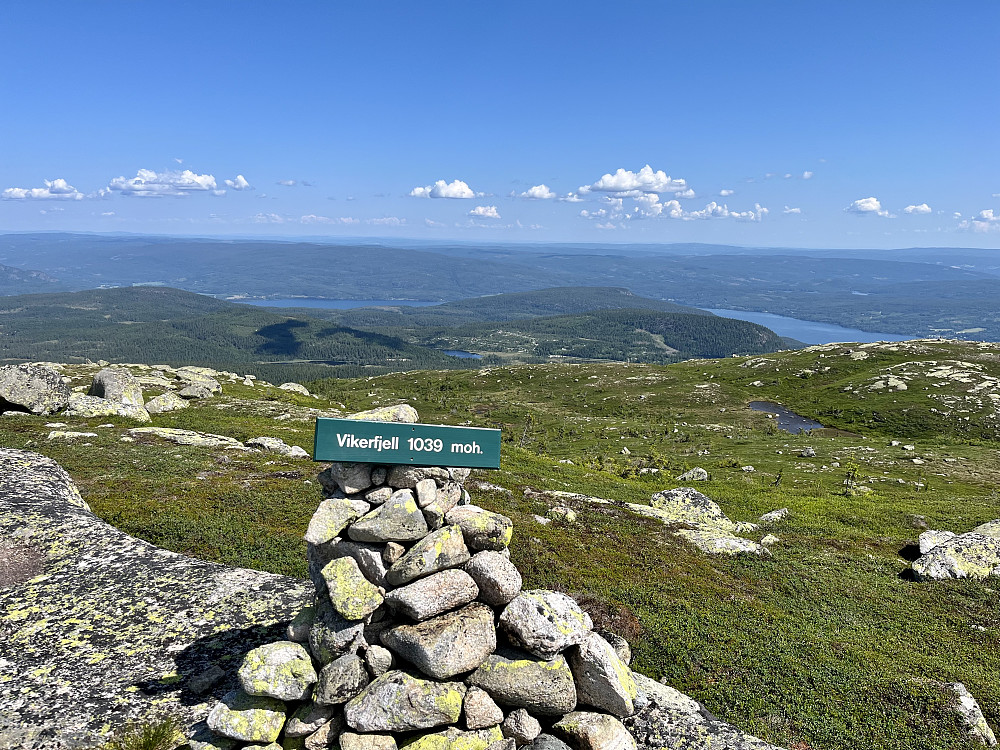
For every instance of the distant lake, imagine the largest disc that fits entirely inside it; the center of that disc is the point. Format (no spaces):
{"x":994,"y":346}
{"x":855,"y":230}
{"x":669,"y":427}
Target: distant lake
{"x":461,"y":354}
{"x":808,"y":331}
{"x":787,"y":419}
{"x":332,"y":304}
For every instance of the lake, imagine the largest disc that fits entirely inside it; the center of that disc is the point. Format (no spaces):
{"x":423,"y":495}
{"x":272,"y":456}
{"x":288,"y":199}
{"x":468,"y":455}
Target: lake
{"x":808,"y":331}
{"x":786,"y":419}
{"x":462,"y":354}
{"x":332,"y":304}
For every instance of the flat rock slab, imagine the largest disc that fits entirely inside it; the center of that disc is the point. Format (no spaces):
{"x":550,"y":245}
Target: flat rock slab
{"x":113,"y":626}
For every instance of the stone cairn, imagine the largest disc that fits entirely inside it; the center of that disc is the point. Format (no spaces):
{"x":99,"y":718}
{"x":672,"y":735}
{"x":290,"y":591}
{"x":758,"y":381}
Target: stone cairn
{"x":421,"y":637}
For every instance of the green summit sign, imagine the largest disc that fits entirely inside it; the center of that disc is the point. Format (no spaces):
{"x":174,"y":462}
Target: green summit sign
{"x":401,"y":443}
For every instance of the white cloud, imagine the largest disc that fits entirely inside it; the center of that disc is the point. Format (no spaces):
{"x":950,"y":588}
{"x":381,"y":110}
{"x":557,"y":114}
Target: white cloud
{"x":865,"y":206}
{"x":442,"y":189}
{"x":288,"y":183}
{"x":608,"y":225}
{"x":714,"y":211}
{"x":485,"y":212}
{"x":649,"y":206}
{"x":645,"y":181}
{"x":267,"y":218}
{"x":788,"y":175}
{"x":725,"y":193}
{"x":789,"y":210}
{"x":985,"y":221}
{"x":150,"y":184}
{"x":571,"y":198}
{"x":538,"y":192}
{"x":314,"y":219}
{"x":434,"y":224}
{"x":921,"y":208}
{"x":54,"y":190}
{"x":386,"y":221}
{"x":807,"y":175}
{"x":240,"y":183}
{"x":107,"y":213}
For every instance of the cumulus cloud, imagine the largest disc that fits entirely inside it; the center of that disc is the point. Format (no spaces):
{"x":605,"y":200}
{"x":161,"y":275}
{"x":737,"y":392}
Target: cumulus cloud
{"x":571,"y":198}
{"x":314,"y":219}
{"x":485,"y":212}
{"x":442,"y":189}
{"x":789,"y":210}
{"x":54,"y":190}
{"x":288,"y":183}
{"x":649,"y":206}
{"x":538,"y":192}
{"x":434,"y":224}
{"x":985,"y":221}
{"x":645,"y":180}
{"x":267,"y":218}
{"x":607,"y":225}
{"x":386,"y":221}
{"x":726,"y":192}
{"x":150,"y":184}
{"x":921,"y":208}
{"x":239,"y":183}
{"x":807,"y":175}
{"x":867,"y":206}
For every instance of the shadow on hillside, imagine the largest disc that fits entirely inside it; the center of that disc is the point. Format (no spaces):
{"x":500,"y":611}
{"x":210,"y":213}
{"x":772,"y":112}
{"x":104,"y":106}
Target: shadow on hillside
{"x":281,"y":339}
{"x":224,"y":650}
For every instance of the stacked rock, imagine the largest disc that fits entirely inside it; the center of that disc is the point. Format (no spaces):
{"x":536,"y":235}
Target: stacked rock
{"x":421,"y":636}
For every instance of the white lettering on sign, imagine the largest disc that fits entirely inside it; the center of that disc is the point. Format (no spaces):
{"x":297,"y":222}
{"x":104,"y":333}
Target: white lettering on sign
{"x":466,"y":448}
{"x":377,"y":443}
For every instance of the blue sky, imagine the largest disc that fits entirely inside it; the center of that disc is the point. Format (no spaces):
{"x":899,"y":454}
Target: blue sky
{"x":802,"y":124}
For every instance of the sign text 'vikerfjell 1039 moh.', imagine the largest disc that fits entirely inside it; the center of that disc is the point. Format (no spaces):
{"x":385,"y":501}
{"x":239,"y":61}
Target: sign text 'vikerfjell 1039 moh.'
{"x":400,"y":443}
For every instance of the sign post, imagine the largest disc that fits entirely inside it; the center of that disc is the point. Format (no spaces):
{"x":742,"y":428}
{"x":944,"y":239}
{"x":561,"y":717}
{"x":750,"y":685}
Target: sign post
{"x":402,"y":443}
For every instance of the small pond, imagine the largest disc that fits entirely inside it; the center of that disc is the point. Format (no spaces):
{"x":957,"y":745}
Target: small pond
{"x":787,"y":419}
{"x":461,"y":354}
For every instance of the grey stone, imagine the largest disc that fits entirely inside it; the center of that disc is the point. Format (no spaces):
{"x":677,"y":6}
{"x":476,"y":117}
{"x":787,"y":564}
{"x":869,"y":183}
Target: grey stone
{"x":340,"y":680}
{"x":407,"y":477}
{"x":186,"y":437}
{"x":165,"y":402}
{"x":548,"y":742}
{"x":398,"y":520}
{"x":32,"y":388}
{"x":392,"y":552}
{"x":92,"y":406}
{"x":519,"y":680}
{"x":521,"y":726}
{"x":619,"y":644}
{"x":545,"y":623}
{"x":697,"y":474}
{"x":248,"y":718}
{"x":967,"y":709}
{"x":205,"y":681}
{"x":433,"y":595}
{"x":433,"y":516}
{"x":483,"y":529}
{"x":453,"y":738}
{"x":447,"y":645}
{"x":426,"y":491}
{"x":398,"y":702}
{"x":280,"y":670}
{"x":990,"y":528}
{"x":331,"y":635}
{"x":330,"y":518}
{"x":379,"y":660}
{"x":295,"y":388}
{"x":603,"y":680}
{"x":774,"y":516}
{"x":399,"y":413}
{"x":367,"y":556}
{"x":439,"y":550}
{"x":204,"y":738}
{"x":349,"y":478}
{"x":309,"y":717}
{"x":378,"y":495}
{"x":195,"y":391}
{"x":352,"y":741}
{"x":498,"y":578}
{"x":350,"y":592}
{"x":116,"y":385}
{"x":687,"y":505}
{"x":276,"y":445}
{"x":928,"y":540}
{"x":297,"y":629}
{"x":964,"y":556}
{"x":379,"y":473}
{"x":586,"y":730}
{"x":480,"y":710}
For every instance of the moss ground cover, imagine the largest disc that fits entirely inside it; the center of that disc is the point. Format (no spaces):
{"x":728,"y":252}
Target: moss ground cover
{"x":822,"y":645}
